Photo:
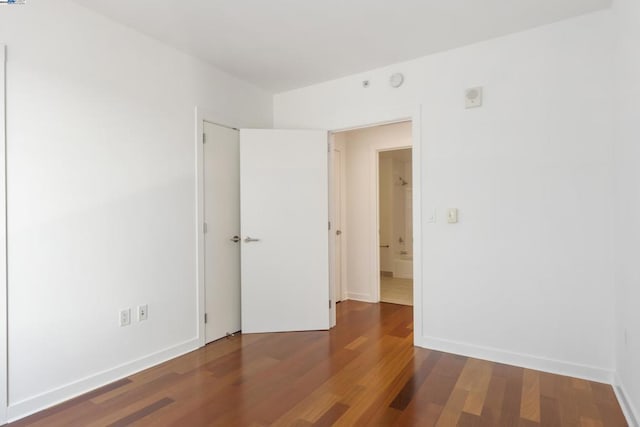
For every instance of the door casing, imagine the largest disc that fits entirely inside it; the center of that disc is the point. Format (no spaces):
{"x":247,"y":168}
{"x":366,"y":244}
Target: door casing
{"x":352,"y":120}
{"x":4,"y":385}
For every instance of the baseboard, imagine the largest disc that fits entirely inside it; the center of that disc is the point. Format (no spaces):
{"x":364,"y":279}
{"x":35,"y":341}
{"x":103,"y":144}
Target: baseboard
{"x":53,"y":397}
{"x":360,"y":297}
{"x":559,"y":367}
{"x":631,"y":412}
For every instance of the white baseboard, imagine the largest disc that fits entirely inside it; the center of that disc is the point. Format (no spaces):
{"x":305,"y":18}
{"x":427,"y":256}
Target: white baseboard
{"x":53,"y":397}
{"x":586,"y":372}
{"x":360,"y":297}
{"x":631,"y":412}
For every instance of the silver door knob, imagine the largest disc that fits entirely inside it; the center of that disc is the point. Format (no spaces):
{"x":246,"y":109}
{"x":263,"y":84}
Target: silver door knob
{"x":235,"y":239}
{"x":250,"y":239}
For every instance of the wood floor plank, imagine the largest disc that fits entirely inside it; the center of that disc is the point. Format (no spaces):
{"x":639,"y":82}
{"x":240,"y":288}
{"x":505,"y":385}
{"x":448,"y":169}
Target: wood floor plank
{"x":330,"y":417}
{"x":131,"y":418}
{"x":381,"y":410}
{"x":469,"y":420}
{"x":364,"y":372}
{"x":549,"y":414}
{"x":404,"y":396}
{"x":453,"y":408}
{"x":530,"y":403}
{"x":510,"y":414}
{"x":475,"y":378}
{"x":492,"y":409}
{"x":590,"y":422}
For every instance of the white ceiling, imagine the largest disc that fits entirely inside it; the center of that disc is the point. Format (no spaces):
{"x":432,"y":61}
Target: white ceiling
{"x":285,"y":44}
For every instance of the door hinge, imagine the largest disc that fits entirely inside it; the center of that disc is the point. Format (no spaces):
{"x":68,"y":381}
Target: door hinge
{"x":204,"y":138}
{"x":205,"y":228}
{"x":329,"y":303}
{"x":329,"y":225}
{"x":205,"y":318}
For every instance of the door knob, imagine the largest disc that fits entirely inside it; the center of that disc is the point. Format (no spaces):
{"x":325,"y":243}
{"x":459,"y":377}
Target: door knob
{"x":235,"y":239}
{"x":250,"y":239}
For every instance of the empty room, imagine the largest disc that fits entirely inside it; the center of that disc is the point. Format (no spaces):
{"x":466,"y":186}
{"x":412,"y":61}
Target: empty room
{"x":296,"y":213}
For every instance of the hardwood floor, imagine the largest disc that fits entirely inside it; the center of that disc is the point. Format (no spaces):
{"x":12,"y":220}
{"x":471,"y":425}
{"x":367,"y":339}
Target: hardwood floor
{"x":364,"y":372}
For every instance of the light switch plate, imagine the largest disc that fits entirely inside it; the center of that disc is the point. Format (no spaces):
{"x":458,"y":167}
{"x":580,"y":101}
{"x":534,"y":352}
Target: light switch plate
{"x":452,"y":215}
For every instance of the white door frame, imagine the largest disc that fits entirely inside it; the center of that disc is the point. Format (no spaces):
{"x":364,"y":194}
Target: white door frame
{"x":376,"y":198}
{"x":333,"y":227}
{"x":202,"y":115}
{"x":334,"y":201}
{"x":351,"y":120}
{"x":4,"y":377}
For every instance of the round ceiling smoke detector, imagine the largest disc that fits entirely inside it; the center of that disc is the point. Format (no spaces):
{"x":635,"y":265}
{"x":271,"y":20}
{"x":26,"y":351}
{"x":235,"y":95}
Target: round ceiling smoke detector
{"x":396,"y":80}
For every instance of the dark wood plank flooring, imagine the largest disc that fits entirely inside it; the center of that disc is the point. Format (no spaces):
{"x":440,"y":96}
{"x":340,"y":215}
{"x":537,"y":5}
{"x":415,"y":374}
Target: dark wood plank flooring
{"x":364,"y":372}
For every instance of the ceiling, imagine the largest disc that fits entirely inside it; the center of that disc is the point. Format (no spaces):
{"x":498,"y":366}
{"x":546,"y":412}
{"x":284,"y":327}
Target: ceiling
{"x":285,"y":44}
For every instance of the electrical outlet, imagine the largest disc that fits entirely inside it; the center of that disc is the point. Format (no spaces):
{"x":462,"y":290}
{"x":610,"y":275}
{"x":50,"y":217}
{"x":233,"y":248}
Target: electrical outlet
{"x":125,"y":317}
{"x":143,"y":312}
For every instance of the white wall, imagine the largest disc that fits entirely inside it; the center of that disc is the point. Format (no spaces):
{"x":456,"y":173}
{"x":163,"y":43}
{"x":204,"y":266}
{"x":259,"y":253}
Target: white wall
{"x":361,"y":209}
{"x":627,"y":219}
{"x":525,"y":276}
{"x":101,"y":196}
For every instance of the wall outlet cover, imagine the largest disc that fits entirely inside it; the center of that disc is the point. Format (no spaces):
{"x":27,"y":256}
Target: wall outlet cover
{"x":143,"y":312}
{"x":125,"y":317}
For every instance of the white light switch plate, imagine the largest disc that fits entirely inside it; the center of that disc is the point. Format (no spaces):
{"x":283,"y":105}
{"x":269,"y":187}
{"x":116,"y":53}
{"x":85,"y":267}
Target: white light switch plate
{"x":452,"y":215}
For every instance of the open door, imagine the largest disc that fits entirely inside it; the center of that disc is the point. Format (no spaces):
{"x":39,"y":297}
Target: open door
{"x":283,"y":221}
{"x":221,"y":241}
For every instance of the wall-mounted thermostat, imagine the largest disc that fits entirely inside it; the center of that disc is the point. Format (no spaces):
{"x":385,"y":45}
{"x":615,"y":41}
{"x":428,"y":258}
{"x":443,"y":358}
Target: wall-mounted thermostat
{"x":473,"y":97}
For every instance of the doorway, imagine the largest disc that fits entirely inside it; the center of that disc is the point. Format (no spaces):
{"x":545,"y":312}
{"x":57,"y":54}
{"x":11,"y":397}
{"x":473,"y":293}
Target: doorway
{"x":395,"y":205}
{"x":298,"y":243}
{"x":356,"y":259}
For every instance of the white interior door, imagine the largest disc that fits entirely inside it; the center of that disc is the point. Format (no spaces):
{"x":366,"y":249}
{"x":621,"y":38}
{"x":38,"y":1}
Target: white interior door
{"x":284,"y":219}
{"x":222,"y":216}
